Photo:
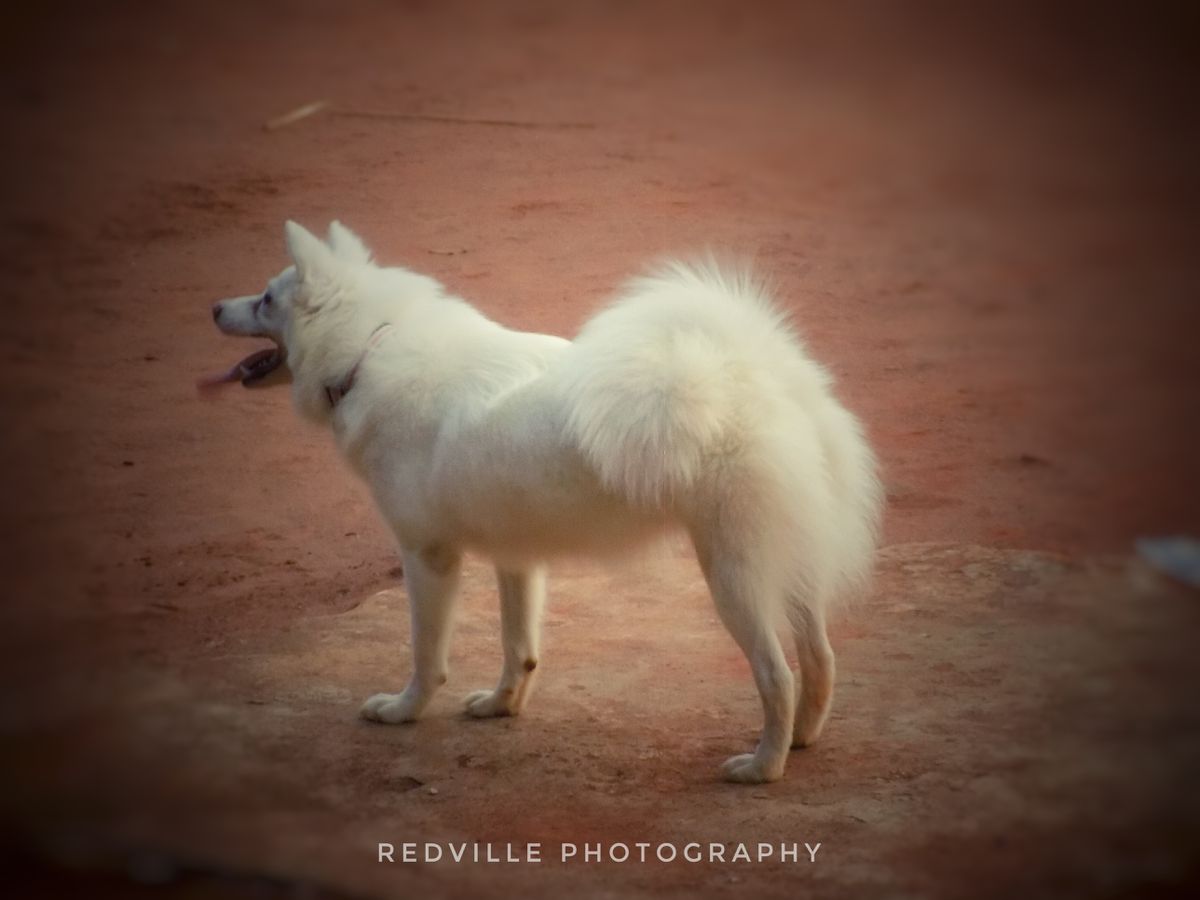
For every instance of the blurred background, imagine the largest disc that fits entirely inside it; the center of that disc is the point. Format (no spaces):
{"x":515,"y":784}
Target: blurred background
{"x":981,"y":216}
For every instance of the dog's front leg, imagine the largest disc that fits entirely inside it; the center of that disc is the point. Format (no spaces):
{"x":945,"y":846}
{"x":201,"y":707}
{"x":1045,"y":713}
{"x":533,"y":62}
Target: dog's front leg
{"x":432,"y":576}
{"x":522,"y":595}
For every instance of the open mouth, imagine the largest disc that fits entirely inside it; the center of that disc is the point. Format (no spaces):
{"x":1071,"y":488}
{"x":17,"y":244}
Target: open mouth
{"x":250,"y":371}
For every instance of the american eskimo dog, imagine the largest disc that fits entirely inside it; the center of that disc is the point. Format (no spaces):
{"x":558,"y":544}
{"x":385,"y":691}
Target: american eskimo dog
{"x":687,"y":404}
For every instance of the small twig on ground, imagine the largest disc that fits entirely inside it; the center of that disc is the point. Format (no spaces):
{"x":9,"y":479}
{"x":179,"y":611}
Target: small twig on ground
{"x":300,"y":112}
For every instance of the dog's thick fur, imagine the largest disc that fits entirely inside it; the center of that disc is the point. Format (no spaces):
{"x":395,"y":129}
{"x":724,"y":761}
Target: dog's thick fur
{"x":687,"y":403}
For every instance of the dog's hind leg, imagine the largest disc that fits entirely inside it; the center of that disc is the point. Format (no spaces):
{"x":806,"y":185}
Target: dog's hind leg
{"x":522,"y":595}
{"x":816,"y":673}
{"x":432,"y":576}
{"x":737,"y":592}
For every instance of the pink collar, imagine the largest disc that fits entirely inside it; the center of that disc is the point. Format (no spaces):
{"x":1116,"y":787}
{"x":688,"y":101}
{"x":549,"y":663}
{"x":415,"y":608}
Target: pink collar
{"x":335,"y":393}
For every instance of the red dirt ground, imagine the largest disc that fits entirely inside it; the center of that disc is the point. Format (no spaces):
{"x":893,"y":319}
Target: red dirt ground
{"x":984,"y":224}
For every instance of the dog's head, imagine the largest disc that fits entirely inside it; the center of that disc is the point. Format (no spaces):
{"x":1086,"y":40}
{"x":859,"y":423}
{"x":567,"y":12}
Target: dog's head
{"x":315,"y":281}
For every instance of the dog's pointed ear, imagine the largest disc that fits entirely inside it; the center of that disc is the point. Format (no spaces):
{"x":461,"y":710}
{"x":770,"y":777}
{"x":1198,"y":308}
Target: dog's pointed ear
{"x":310,"y":254}
{"x":347,"y":245}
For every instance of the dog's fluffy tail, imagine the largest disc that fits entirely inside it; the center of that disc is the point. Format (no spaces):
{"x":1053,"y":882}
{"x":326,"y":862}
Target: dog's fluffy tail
{"x":691,"y":393}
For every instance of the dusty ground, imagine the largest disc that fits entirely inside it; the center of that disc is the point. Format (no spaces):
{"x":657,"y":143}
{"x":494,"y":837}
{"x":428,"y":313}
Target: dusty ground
{"x":985,"y":224}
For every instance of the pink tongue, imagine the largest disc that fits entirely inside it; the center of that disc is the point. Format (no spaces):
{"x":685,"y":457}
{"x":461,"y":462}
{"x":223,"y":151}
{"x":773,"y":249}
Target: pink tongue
{"x":254,"y":366}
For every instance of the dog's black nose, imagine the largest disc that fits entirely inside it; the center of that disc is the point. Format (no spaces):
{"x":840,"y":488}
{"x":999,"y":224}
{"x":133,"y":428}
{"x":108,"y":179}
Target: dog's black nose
{"x":217,"y":308}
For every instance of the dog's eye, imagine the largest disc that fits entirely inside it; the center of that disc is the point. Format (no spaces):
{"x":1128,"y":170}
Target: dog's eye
{"x":266,"y":298}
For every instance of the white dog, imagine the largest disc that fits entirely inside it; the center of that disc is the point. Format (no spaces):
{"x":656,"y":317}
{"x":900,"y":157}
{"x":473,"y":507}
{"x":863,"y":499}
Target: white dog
{"x":687,"y":403}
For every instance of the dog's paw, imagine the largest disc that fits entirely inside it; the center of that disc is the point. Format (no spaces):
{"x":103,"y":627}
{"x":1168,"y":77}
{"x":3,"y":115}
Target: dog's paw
{"x":801,"y":739}
{"x":391,"y":709}
{"x":809,"y":726}
{"x":488,"y":704}
{"x":747,"y":768}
